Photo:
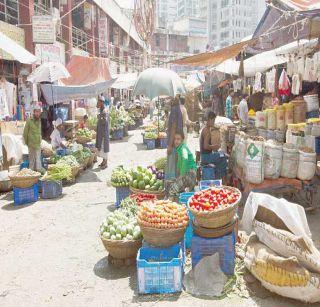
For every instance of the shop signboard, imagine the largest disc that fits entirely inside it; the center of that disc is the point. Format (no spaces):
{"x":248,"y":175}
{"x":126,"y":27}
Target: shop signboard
{"x":43,"y":29}
{"x":77,"y":51}
{"x":13,"y":32}
{"x":87,"y":7}
{"x":103,"y":36}
{"x":50,"y":53}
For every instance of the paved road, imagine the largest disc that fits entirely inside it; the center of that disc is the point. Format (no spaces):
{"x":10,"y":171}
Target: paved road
{"x":50,"y":252}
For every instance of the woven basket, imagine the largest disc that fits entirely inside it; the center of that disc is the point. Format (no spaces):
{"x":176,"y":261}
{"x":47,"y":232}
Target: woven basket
{"x":47,"y":153}
{"x":91,"y":159}
{"x":5,"y":186}
{"x":217,"y":218}
{"x":159,"y":194}
{"x":24,"y":182}
{"x":213,"y":232}
{"x":122,"y":249}
{"x":75,"y":171}
{"x":162,"y":237}
{"x":83,"y":140}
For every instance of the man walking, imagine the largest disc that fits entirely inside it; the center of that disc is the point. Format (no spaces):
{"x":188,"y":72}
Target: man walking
{"x":229,"y":105}
{"x":32,"y":138}
{"x":243,"y":110}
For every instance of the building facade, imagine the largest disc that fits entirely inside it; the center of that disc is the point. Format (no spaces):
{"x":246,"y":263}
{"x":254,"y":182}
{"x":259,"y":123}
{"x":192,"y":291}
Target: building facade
{"x":166,"y":13}
{"x":229,"y":21}
{"x":188,"y":8}
{"x":94,"y":28}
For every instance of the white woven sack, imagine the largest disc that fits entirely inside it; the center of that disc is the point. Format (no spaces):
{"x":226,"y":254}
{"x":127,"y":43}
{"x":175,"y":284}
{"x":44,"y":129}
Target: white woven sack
{"x":290,"y":163}
{"x":284,"y":276}
{"x":261,"y":120}
{"x":272,"y":160}
{"x":312,"y":102}
{"x":287,"y":244}
{"x":254,"y":161}
{"x":241,"y":152}
{"x":307,"y":165}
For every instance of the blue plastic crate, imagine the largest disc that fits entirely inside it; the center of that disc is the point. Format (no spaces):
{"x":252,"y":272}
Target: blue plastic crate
{"x":312,"y":114}
{"x":205,"y":184}
{"x":151,"y":144}
{"x":225,"y":246}
{"x":182,"y":245}
{"x":121,"y":193}
{"x":159,"y":270}
{"x":317,"y":144}
{"x":163,"y":142}
{"x":183,"y":199}
{"x":51,"y":189}
{"x":25,"y":195}
{"x":62,"y":152}
{"x":117,"y":134}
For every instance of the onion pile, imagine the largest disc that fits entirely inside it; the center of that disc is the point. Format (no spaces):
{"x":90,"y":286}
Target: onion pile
{"x":162,"y":214}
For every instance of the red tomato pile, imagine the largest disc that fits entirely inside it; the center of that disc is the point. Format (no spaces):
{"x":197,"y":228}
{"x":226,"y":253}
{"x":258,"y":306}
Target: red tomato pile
{"x":141,"y":197}
{"x":212,"y":199}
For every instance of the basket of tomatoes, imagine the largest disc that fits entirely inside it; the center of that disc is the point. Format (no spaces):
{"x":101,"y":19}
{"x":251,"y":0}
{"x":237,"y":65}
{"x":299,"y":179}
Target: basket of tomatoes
{"x":215,"y":207}
{"x":141,"y":197}
{"x":162,"y":222}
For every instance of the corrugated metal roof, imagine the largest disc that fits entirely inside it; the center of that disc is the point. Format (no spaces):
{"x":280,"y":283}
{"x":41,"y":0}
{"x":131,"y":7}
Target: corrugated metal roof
{"x":113,"y":10}
{"x":302,"y":5}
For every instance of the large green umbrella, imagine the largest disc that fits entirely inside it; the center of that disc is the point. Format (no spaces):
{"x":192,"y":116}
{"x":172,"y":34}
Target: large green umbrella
{"x":155,"y":82}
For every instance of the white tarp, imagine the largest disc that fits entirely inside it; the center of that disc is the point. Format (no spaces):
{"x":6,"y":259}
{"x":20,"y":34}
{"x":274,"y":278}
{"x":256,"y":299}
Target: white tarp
{"x":124,"y":81}
{"x":291,"y":214}
{"x":264,"y":61}
{"x":16,"y":51}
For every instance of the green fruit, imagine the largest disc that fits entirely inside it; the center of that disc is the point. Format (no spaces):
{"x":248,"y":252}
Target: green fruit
{"x":147,"y":187}
{"x":112,"y":230}
{"x":113,"y":237}
{"x":118,"y":236}
{"x":135,"y":184}
{"x":146,"y":180}
{"x":141,"y":185}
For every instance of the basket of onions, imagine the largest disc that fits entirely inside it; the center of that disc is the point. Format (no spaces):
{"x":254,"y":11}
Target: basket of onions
{"x":162,"y":222}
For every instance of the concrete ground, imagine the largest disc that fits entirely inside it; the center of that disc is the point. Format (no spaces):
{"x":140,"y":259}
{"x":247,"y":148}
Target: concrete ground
{"x":51,"y":254}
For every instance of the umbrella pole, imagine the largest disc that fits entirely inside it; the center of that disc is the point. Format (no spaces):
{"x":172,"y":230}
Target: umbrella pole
{"x":52,"y":97}
{"x":158,"y":115}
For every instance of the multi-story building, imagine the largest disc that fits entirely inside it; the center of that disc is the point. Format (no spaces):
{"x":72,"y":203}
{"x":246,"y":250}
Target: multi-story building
{"x":166,"y":13}
{"x":231,"y":20}
{"x":94,"y":27}
{"x":188,"y":8}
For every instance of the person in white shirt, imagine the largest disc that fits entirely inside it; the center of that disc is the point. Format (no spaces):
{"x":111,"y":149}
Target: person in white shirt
{"x":56,"y":139}
{"x":243,"y":110}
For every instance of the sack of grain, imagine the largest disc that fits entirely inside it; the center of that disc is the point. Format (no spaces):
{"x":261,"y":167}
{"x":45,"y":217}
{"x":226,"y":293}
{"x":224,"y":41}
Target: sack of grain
{"x":312,"y":102}
{"x":288,"y":115}
{"x":307,"y":164}
{"x":261,"y":120}
{"x":272,"y":160}
{"x":241,"y":152}
{"x":287,"y":244}
{"x":280,"y":118}
{"x":272,"y":119}
{"x":281,"y":275}
{"x":290,"y":161}
{"x":254,"y":161}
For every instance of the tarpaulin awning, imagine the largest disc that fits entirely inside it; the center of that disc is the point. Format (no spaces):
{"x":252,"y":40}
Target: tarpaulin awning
{"x":89,"y":77}
{"x":124,"y":81}
{"x":285,"y":21}
{"x":214,"y":58}
{"x":16,"y":51}
{"x":87,"y":70}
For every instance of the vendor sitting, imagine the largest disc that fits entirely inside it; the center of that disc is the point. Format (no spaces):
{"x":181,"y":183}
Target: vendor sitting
{"x":210,"y":145}
{"x":186,"y":168}
{"x":83,"y":122}
{"x":56,"y":139}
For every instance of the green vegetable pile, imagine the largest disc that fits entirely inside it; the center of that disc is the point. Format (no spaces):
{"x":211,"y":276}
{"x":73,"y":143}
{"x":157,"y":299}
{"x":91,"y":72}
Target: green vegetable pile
{"x":59,"y":172}
{"x":70,"y":160}
{"x":130,"y":204}
{"x":54,"y":159}
{"x":117,"y":119}
{"x":82,"y":154}
{"x":120,"y":225}
{"x":120,"y":177}
{"x":151,"y":135}
{"x":161,"y":164}
{"x":144,"y":179}
{"x":84,"y":132}
{"x":92,"y":122}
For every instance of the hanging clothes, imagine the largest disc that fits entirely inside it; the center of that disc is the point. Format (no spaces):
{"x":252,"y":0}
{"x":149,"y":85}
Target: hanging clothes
{"x":296,"y":84}
{"x":257,"y":82}
{"x":284,"y":84}
{"x":309,"y":71}
{"x":237,"y":85}
{"x":271,"y":81}
{"x":290,"y":67}
{"x":11,"y":92}
{"x":299,"y":67}
{"x":316,"y":58}
{"x":4,"y":111}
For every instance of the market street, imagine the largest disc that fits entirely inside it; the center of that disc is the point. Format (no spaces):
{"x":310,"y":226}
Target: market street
{"x":51,"y":254}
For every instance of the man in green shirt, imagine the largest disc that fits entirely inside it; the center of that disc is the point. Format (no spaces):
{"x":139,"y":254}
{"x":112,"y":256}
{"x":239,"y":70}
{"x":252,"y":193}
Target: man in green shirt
{"x":32,"y":138}
{"x":186,"y":168}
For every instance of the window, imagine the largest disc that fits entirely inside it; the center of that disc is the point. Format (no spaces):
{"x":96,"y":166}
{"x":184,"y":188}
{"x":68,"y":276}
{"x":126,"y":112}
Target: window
{"x":225,"y":24}
{"x":9,"y":11}
{"x":224,"y":3}
{"x":157,"y":40}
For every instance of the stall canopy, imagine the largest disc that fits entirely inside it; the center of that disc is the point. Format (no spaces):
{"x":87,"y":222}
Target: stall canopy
{"x":213,"y":58}
{"x":89,"y":77}
{"x":264,"y":61}
{"x":124,"y":81}
{"x":15,"y":50}
{"x":285,"y":21}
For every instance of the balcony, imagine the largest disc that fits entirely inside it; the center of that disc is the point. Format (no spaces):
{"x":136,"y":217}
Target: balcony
{"x":80,"y":39}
